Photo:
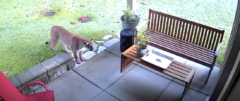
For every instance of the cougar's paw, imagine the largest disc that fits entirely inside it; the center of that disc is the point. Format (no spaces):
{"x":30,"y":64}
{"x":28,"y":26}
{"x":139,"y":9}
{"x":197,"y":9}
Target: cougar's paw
{"x":69,"y":52}
{"x":78,"y":61}
{"x":55,"y":49}
{"x":82,"y":58}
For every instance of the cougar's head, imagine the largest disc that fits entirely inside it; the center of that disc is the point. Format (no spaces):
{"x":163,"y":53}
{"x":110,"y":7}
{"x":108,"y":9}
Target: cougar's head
{"x":89,"y":44}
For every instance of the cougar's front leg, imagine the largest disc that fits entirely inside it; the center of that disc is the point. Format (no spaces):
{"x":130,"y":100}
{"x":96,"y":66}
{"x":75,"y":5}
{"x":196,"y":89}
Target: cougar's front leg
{"x":66,"y":49}
{"x":78,"y":61}
{"x":81,"y":55}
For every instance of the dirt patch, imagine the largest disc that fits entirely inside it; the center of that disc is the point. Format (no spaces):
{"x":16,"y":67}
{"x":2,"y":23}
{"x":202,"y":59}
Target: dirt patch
{"x":73,"y":23}
{"x":144,"y":3}
{"x":84,"y":19}
{"x":50,"y":13}
{"x":82,"y":5}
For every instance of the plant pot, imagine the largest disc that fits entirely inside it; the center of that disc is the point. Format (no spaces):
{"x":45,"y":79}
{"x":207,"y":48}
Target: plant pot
{"x":129,"y":25}
{"x":141,"y":52}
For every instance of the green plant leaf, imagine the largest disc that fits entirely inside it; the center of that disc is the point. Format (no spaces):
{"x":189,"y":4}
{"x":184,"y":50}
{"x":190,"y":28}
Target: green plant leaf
{"x":127,"y":12}
{"x":142,"y":40}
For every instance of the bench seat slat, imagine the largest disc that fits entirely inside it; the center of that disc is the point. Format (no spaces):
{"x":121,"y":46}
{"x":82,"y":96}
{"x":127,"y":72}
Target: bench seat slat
{"x":185,"y":50}
{"x":207,"y":60}
{"x":181,"y":67}
{"x":169,"y":41}
{"x":175,"y":65}
{"x":176,"y":72}
{"x":176,"y":44}
{"x":189,"y":53}
{"x":186,"y":55}
{"x":181,"y":47}
{"x":177,"y":40}
{"x":176,"y":76}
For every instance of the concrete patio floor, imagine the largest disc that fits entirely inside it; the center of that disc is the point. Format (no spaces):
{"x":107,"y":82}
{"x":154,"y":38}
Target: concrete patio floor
{"x":99,"y":79}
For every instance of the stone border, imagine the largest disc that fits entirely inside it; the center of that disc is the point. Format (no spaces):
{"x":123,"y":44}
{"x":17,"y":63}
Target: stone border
{"x":52,"y":68}
{"x":46,"y":72}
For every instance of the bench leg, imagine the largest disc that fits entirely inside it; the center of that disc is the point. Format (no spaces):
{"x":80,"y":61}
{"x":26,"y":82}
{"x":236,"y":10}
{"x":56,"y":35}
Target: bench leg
{"x":125,"y":63}
{"x":209,"y":73}
{"x":211,"y":68}
{"x":186,"y":88}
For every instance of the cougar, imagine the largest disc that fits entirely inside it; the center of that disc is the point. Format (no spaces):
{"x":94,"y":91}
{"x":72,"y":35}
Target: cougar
{"x":73,"y":41}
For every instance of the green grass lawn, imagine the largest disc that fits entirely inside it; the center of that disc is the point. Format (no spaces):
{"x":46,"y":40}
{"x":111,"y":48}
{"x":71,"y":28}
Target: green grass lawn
{"x":24,"y":29}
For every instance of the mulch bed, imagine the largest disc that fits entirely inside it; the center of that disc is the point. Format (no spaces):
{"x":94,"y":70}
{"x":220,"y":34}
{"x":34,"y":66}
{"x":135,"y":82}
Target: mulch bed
{"x":73,"y":23}
{"x":84,"y":19}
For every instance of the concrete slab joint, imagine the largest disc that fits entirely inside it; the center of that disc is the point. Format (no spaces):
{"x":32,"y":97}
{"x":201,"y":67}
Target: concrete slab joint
{"x":40,"y":74}
{"x":52,"y":67}
{"x":58,"y":65}
{"x":63,"y":58}
{"x":24,"y":78}
{"x":16,"y":83}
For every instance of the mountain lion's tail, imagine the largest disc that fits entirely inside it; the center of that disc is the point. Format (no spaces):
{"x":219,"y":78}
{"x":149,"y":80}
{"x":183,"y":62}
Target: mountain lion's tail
{"x":47,"y":43}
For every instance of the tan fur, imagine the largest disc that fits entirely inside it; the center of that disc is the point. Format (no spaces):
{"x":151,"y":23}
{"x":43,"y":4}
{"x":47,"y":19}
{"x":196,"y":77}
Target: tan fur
{"x":73,"y":41}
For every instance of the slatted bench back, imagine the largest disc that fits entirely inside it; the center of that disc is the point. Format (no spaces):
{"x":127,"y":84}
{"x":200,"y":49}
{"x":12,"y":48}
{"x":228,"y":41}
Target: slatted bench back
{"x":189,"y":31}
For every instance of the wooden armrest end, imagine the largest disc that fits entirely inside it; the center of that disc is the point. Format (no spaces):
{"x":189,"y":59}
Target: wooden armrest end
{"x":138,"y":27}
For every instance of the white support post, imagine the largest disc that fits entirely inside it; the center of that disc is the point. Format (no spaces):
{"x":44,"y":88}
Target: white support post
{"x":133,"y":5}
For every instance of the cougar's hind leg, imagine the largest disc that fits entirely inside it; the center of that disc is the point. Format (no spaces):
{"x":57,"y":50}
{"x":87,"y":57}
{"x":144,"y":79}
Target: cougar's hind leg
{"x":53,"y":44}
{"x":48,"y":43}
{"x":66,"y":49}
{"x":54,"y":38}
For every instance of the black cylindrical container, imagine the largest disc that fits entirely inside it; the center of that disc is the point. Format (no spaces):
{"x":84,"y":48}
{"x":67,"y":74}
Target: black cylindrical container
{"x":126,"y":39}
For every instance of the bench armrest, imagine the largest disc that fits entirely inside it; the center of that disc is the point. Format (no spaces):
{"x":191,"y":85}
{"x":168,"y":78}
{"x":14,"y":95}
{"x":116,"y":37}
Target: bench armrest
{"x":218,"y":48}
{"x":138,"y":27}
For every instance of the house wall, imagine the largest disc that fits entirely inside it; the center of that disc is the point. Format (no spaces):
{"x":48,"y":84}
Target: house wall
{"x":234,"y":93}
{"x":231,"y":88}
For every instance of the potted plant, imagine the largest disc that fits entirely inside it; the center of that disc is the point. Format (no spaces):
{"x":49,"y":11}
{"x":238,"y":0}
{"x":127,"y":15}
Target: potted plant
{"x":142,"y":42}
{"x":129,"y":20}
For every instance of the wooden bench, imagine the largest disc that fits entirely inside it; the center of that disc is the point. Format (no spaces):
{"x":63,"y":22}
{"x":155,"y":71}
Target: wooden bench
{"x":188,"y":39}
{"x":176,"y":70}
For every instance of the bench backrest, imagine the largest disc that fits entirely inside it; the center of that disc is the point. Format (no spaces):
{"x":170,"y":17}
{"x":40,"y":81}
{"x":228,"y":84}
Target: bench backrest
{"x":190,"y":31}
